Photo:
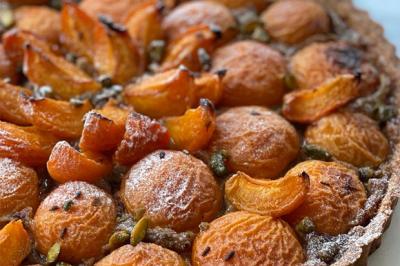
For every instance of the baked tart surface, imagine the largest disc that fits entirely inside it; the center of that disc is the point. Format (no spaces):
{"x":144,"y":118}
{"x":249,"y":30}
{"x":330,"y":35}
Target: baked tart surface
{"x":145,"y":132}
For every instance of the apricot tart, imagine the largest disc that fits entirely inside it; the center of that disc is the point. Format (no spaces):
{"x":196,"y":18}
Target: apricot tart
{"x":210,"y":132}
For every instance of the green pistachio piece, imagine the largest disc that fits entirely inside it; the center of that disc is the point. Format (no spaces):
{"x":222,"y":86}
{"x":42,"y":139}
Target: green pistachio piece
{"x":139,"y":231}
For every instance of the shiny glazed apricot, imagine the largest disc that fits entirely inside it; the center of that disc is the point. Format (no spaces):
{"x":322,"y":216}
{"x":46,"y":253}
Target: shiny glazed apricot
{"x":209,"y":86}
{"x":174,"y":189}
{"x":165,"y":94}
{"x":15,"y":244}
{"x":257,"y":141}
{"x":194,"y":129}
{"x":350,"y":137}
{"x":189,"y":14}
{"x":11,"y":104}
{"x":117,"y":10}
{"x":306,"y":106}
{"x":142,"y":136}
{"x":292,"y":21}
{"x":254,"y":74}
{"x":61,"y":118}
{"x":67,"y":164}
{"x":19,"y":187}
{"x":79,"y":216}
{"x":242,"y":238}
{"x":266,"y":197}
{"x":334,"y":198}
{"x":143,"y":254}
{"x":25,"y":144}
{"x":41,"y":20}
{"x":7,"y":68}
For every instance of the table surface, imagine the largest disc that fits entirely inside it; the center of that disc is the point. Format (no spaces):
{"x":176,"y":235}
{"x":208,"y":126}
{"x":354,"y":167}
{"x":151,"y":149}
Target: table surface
{"x":387,"y":13}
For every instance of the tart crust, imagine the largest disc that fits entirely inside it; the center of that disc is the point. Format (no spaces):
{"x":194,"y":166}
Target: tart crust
{"x":370,"y":236}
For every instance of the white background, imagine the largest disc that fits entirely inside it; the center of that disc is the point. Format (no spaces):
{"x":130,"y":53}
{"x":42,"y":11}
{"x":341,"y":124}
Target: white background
{"x":387,"y":13}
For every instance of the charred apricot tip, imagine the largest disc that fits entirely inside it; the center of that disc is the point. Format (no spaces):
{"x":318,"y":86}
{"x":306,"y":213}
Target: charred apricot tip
{"x":304,"y":175}
{"x":207,"y":104}
{"x":111,"y":25}
{"x":160,"y":6}
{"x":358,"y":75}
{"x":216,"y":30}
{"x":221,"y":72}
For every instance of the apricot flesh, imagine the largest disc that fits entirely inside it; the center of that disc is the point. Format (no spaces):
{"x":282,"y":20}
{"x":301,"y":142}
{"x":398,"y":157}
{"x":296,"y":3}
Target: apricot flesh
{"x":10,"y":103}
{"x":266,"y":197}
{"x":15,"y":244}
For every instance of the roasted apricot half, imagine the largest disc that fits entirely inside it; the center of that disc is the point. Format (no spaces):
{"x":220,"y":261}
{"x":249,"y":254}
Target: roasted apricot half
{"x":350,"y":137}
{"x":142,"y":136}
{"x":25,"y":144}
{"x":243,"y":238}
{"x":306,"y":106}
{"x":256,"y":140}
{"x":7,"y":68}
{"x":15,"y":244}
{"x":267,"y":197}
{"x":194,"y":129}
{"x":292,"y":21}
{"x":41,"y":20}
{"x":61,"y":118}
{"x":66,"y":80}
{"x":254,"y":74}
{"x":190,"y":14}
{"x":142,"y":254}
{"x":19,"y":189}
{"x":165,"y":94}
{"x":11,"y":104}
{"x":335,"y":196}
{"x":174,"y":189}
{"x":67,"y":164}
{"x":79,"y":217}
{"x":185,"y":50}
{"x":209,"y":86}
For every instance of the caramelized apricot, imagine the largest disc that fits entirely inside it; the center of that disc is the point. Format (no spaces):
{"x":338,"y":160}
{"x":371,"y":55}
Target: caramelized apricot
{"x":306,"y":106}
{"x":44,"y":68}
{"x":242,"y":238}
{"x":350,"y":137}
{"x":257,"y":141}
{"x":19,"y":187}
{"x":67,"y":164}
{"x":7,"y":68}
{"x":15,"y":244}
{"x":174,"y":189}
{"x":194,"y":129}
{"x":239,"y":4}
{"x":11,"y":103}
{"x":254,"y":74}
{"x":189,"y":14}
{"x":334,"y":198}
{"x":185,"y":49}
{"x":25,"y":144}
{"x":292,"y":21}
{"x":318,"y":62}
{"x":61,"y":118}
{"x":165,"y":94}
{"x":266,"y":197}
{"x":41,"y":20}
{"x":142,"y":136}
{"x":141,"y":255}
{"x":78,"y":216}
{"x":209,"y":86}
{"x":144,"y":23}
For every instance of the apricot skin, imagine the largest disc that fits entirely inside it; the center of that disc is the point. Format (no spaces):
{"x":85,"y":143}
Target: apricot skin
{"x":11,"y":104}
{"x":350,"y":137}
{"x":143,"y":254}
{"x":7,"y":68}
{"x":266,"y":197}
{"x":254,"y":74}
{"x":90,"y":221}
{"x":257,"y":141}
{"x":175,"y":189}
{"x":67,"y":164}
{"x":334,"y":198}
{"x":15,"y":244}
{"x":19,"y":187}
{"x":254,"y":239}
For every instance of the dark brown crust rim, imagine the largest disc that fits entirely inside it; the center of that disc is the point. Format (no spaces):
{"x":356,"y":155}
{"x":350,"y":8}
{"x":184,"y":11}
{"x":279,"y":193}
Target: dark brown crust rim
{"x":387,"y":62}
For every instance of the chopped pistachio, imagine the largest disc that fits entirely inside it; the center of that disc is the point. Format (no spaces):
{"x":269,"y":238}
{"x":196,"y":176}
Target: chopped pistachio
{"x":218,"y":163}
{"x":156,"y":50}
{"x":63,"y":264}
{"x":366,"y":173}
{"x":328,"y":251}
{"x":259,"y":34}
{"x":384,"y":113}
{"x":105,"y":81}
{"x":6,"y":16}
{"x":56,"y":4}
{"x":204,"y":59}
{"x":203,"y":226}
{"x":67,"y":205}
{"x":317,"y":153}
{"x":118,"y":239}
{"x":305,"y":226}
{"x":139,"y":231}
{"x":290,"y":81}
{"x":248,"y":21}
{"x":54,"y":251}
